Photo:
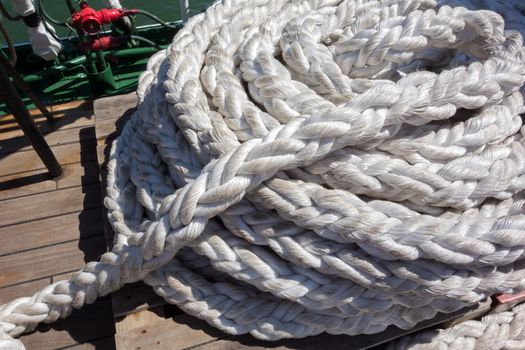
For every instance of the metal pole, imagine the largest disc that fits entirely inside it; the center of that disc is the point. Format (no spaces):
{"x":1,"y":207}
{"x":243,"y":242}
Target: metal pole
{"x":184,"y":9}
{"x":70,"y":6}
{"x":15,"y":104}
{"x":22,"y":85}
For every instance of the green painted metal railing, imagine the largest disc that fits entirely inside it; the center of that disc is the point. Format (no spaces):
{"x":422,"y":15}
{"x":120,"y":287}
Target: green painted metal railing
{"x":85,"y":75}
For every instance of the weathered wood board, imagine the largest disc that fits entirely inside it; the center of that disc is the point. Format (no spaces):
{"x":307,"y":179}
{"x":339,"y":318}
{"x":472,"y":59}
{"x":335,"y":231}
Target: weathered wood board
{"x":52,"y":227}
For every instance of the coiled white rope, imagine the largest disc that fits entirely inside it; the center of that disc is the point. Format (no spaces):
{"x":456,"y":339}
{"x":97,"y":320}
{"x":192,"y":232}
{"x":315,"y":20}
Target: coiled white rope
{"x":504,"y":330}
{"x":298,"y":167}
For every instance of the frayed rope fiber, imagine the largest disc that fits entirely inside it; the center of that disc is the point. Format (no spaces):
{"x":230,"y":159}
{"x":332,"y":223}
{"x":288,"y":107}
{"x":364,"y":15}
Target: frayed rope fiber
{"x":299,"y":167}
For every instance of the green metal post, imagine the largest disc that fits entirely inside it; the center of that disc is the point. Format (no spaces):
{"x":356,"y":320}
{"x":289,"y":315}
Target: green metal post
{"x":70,"y":6}
{"x":92,"y":67}
{"x":101,"y":60}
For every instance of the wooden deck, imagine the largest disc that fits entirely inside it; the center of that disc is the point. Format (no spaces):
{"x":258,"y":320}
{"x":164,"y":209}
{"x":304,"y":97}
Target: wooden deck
{"x":50,"y":228}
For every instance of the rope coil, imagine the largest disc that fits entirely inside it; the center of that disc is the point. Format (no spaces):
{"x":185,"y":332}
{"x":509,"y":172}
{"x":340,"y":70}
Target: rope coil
{"x":298,"y":167}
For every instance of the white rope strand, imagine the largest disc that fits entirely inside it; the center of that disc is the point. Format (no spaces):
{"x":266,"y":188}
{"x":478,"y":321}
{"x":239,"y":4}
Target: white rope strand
{"x":503,"y":330}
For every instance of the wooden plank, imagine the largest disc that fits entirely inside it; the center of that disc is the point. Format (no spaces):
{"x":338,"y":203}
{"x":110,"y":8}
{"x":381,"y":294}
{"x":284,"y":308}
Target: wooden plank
{"x":76,"y":105}
{"x":10,"y":128}
{"x":48,"y":261}
{"x":73,"y":114}
{"x":324,"y":341}
{"x":114,"y":106}
{"x":26,"y":183}
{"x":133,"y":298}
{"x":85,"y":326}
{"x":43,"y":205}
{"x":109,"y":129}
{"x":107,"y":343}
{"x":150,"y":330}
{"x":77,"y":174}
{"x":238,"y":343}
{"x":139,"y":319}
{"x":24,"y":161}
{"x":27,"y":289}
{"x":70,"y":115}
{"x":55,"y":138}
{"x":49,"y":231}
{"x":38,"y":181}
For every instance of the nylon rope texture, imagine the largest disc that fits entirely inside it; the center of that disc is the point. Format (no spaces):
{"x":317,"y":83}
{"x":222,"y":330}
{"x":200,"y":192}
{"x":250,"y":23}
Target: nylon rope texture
{"x":299,"y":167}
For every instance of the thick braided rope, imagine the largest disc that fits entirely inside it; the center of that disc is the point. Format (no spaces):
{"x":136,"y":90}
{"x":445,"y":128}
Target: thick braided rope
{"x":504,"y":330}
{"x":365,"y":158}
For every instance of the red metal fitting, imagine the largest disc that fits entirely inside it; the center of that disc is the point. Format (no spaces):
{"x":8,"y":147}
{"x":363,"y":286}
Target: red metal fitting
{"x":100,"y":44}
{"x":90,"y":21}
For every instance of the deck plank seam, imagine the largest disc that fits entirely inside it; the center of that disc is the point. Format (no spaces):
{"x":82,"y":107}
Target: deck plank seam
{"x":48,"y":217}
{"x":56,"y":181}
{"x":29,"y":148}
{"x":50,"y":245}
{"x":61,"y":163}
